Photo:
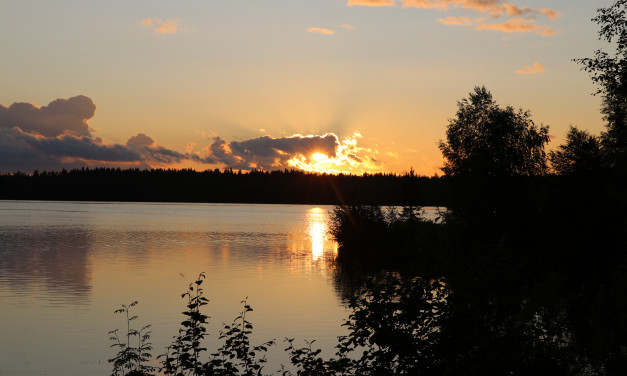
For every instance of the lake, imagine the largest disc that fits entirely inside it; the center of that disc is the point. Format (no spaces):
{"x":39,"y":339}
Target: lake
{"x":66,"y":266}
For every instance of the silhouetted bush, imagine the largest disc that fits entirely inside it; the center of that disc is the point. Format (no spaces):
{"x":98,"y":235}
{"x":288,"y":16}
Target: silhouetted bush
{"x":499,"y":322}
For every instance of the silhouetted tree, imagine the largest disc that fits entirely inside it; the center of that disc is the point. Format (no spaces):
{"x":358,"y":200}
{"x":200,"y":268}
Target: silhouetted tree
{"x":609,"y":72}
{"x":485,"y":140}
{"x":580,"y":154}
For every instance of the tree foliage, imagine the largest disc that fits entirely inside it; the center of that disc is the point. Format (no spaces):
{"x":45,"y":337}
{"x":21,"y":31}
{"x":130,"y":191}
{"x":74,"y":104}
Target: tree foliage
{"x":609,"y":72}
{"x":580,"y":154}
{"x":485,"y":140}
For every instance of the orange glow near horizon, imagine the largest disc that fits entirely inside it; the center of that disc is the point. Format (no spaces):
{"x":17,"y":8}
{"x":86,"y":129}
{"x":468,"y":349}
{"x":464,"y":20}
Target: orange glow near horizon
{"x":349,"y":158}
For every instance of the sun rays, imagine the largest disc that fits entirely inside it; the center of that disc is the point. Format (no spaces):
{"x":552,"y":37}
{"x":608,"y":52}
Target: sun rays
{"x":348,"y":158}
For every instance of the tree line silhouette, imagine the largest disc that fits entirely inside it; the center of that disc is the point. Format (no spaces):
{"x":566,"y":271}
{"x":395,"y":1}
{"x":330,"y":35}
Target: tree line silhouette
{"x":227,"y":186}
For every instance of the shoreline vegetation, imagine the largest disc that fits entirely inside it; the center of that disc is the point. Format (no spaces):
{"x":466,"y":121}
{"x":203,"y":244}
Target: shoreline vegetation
{"x":368,"y":349}
{"x":299,"y":187}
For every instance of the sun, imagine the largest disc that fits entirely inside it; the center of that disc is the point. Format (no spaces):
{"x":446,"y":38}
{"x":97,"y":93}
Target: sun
{"x":315,"y":162}
{"x":346,"y":157}
{"x":319,"y":157}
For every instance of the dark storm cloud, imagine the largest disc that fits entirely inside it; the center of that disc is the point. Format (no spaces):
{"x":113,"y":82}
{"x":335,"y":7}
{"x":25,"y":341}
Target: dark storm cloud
{"x":267,"y":152}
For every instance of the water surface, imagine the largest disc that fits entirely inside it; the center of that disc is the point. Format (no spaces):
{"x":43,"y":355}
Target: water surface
{"x":66,"y":266}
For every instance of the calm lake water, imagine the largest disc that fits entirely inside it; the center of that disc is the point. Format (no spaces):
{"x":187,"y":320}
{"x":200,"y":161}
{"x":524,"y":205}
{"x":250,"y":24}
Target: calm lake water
{"x":66,"y":266}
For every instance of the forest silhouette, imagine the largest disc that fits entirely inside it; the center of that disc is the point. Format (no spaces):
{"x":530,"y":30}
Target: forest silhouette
{"x":226,"y":186}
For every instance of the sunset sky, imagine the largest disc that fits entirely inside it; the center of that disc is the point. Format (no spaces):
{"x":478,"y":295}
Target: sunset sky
{"x":367,"y":84}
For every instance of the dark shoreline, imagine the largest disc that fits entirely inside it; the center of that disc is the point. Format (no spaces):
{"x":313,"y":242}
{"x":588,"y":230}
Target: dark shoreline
{"x":298,"y":187}
{"x":215,"y":186}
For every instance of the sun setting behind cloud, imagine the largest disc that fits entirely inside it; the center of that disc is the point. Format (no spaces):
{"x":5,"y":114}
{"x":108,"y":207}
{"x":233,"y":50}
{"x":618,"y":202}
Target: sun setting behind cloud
{"x":348,"y":158}
{"x":313,"y":153}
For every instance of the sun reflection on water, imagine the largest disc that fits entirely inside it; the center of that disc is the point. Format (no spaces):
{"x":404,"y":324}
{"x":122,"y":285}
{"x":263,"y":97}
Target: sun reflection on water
{"x":317,"y":231}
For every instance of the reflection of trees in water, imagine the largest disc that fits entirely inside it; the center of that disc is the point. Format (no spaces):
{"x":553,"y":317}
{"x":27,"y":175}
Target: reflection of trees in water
{"x":495,"y":321}
{"x":47,"y":261}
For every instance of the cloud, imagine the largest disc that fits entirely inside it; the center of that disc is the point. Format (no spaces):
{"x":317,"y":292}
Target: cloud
{"x":28,"y":151}
{"x":519,"y":25}
{"x":494,"y":8}
{"x":515,"y":25}
{"x":519,"y":19}
{"x":81,"y":147}
{"x":323,"y":31}
{"x":525,"y":11}
{"x":57,"y":136}
{"x":60,"y":116}
{"x":427,"y":4}
{"x":148,"y":149}
{"x":322,"y":153}
{"x":140,"y":140}
{"x":535,"y":69}
{"x":490,"y":7}
{"x":266,"y":152}
{"x":372,"y":3}
{"x":548,"y":32}
{"x":549,"y":13}
{"x":161,"y":27}
{"x":319,"y":30}
{"x":459,"y":21}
